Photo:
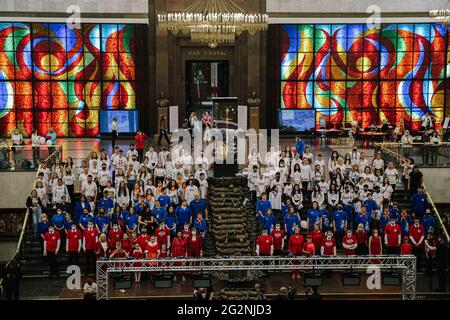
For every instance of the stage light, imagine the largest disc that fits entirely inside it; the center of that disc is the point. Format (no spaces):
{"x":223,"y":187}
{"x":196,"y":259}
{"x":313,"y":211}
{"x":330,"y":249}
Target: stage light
{"x":391,"y":278}
{"x":163,"y":282}
{"x":312,"y":279}
{"x":351,"y":279}
{"x":122,"y":282}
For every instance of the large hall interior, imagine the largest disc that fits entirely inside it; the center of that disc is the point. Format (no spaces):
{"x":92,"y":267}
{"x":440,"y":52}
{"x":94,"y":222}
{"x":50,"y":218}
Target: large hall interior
{"x":224,"y":149}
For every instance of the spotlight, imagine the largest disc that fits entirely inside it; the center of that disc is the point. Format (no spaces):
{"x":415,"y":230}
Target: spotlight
{"x":163,"y":282}
{"x":391,"y":278}
{"x":351,"y":279}
{"x":312,"y":279}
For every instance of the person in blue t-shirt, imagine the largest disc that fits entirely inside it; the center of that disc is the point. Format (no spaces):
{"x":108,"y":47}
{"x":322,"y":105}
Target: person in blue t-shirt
{"x":285,"y":208}
{"x":102,"y":221}
{"x":106,"y":202}
{"x":363,"y":218}
{"x":326,"y":219}
{"x":404,"y":221}
{"x":131,"y":222}
{"x":290,"y":222}
{"x":58,"y":221}
{"x":339,"y":224}
{"x":371,"y":205}
{"x":269,"y":221}
{"x":314,"y":216}
{"x":299,"y":147}
{"x":200,"y":224}
{"x":384,"y":220}
{"x":85,"y":219}
{"x":395,"y":212}
{"x":428,"y":222}
{"x":261,"y":207}
{"x":69,"y":222}
{"x":80,"y":206}
{"x":199,"y":205}
{"x":159,"y":212}
{"x":42,"y":229}
{"x":184,"y":215}
{"x":171,"y":220}
{"x":164,"y":199}
{"x":419,"y":202}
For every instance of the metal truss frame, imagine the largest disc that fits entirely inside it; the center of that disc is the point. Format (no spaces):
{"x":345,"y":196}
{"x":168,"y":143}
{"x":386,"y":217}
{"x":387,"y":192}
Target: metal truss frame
{"x":405,"y":264}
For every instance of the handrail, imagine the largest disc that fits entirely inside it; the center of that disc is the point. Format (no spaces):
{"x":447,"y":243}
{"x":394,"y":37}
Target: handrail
{"x":399,"y":156}
{"x":27,"y":214}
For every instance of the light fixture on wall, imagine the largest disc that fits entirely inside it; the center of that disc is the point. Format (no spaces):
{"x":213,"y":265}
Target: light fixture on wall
{"x":213,"y":21}
{"x":441,"y":16}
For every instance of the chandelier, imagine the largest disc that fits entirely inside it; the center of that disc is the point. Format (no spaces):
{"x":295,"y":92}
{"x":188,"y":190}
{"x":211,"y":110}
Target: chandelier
{"x":213,"y":21}
{"x":441,"y":16}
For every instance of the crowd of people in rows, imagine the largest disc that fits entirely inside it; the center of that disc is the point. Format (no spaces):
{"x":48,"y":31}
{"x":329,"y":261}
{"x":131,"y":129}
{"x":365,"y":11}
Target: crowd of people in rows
{"x":132,"y":205}
{"x":352,"y":211}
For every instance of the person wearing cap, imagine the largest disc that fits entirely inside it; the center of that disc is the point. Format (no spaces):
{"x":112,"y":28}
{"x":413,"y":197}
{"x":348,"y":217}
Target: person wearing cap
{"x":406,"y":247}
{"x":52,"y":242}
{"x":264,"y":244}
{"x":392,"y":237}
{"x":309,"y":248}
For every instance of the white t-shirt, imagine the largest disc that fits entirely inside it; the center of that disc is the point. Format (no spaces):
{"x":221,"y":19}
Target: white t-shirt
{"x":16,"y":138}
{"x":392,"y":175}
{"x":89,"y":189}
{"x":203,"y":186}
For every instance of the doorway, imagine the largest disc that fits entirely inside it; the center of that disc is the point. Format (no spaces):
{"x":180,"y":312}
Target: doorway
{"x":205,"y":80}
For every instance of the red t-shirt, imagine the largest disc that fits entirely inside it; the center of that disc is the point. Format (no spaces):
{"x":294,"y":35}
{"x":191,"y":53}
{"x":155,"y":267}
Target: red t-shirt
{"x":295,"y":245}
{"x":277,"y":239}
{"x":194,"y":246}
{"x":142,"y":240}
{"x":328,"y":246}
{"x":73,"y":238}
{"x":406,"y":248}
{"x":161,"y":235}
{"x":90,"y":238}
{"x":317,"y":237}
{"x":115,"y":236}
{"x":349,"y":241}
{"x":152,"y":250}
{"x":140,"y":140}
{"x":51,"y":241}
{"x":393,"y":232}
{"x":179,"y":247}
{"x":417,"y":233}
{"x":361,"y":237}
{"x":264,"y":242}
{"x":127,"y":246}
{"x":186,"y":233}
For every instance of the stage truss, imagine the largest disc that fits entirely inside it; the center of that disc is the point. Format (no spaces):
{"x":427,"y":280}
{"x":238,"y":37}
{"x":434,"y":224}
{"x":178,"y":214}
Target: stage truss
{"x":405,"y":264}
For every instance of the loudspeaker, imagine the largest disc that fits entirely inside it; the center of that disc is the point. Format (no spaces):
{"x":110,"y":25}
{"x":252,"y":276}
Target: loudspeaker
{"x":391,"y":278}
{"x":122,"y":282}
{"x":163,"y":282}
{"x":351,"y":279}
{"x":312,"y":279}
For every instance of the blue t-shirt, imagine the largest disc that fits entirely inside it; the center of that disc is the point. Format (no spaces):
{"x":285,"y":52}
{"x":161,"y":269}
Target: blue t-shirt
{"x":263,"y":206}
{"x":300,"y":147}
{"x":339,"y":218}
{"x":419,"y":203}
{"x":269,"y":223}
{"x":170,"y":220}
{"x":200,"y":226}
{"x":59,"y":220}
{"x":131,"y":221}
{"x":364,"y":219}
{"x":42,"y":228}
{"x":164,"y":200}
{"x":102,"y":222}
{"x":52,"y":136}
{"x":198,"y":206}
{"x":159,"y":213}
{"x":314,"y":216}
{"x":371,"y":206}
{"x":383,"y":222}
{"x":106,"y":204}
{"x":183,"y":215}
{"x":428,"y":223}
{"x":326,"y":221}
{"x":394,"y":213}
{"x":404,"y":224}
{"x":291,"y":222}
{"x":84,"y":220}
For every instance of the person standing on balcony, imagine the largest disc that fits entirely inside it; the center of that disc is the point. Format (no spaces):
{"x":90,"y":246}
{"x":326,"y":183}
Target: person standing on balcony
{"x":17,"y":141}
{"x":51,"y":135}
{"x":140,"y":138}
{"x":435,"y":141}
{"x":114,"y":132}
{"x":406,"y":141}
{"x":35,"y":145}
{"x":427,"y":122}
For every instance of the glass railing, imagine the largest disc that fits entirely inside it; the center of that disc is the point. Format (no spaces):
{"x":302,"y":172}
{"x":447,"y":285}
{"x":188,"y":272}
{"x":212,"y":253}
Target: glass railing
{"x":423,"y":154}
{"x":25,"y":157}
{"x":392,"y":152}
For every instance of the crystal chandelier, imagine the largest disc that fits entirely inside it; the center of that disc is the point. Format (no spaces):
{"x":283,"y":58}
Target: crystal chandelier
{"x":213,"y":21}
{"x":441,"y":16}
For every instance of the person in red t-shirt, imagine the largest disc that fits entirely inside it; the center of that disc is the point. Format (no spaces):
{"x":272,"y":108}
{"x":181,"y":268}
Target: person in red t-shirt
{"x":417,"y":237}
{"x":392,"y":237}
{"x":186,"y":232}
{"x":140,"y":138}
{"x":164,"y":253}
{"x":119,"y":253}
{"x":349,"y":243}
{"x":73,"y":244}
{"x":278,"y":240}
{"x":309,"y":248}
{"x":137,"y":254}
{"x":90,"y":239}
{"x":52,"y":241}
{"x":152,"y":249}
{"x":317,"y":237}
{"x":195,"y":245}
{"x":115,"y":235}
{"x":264,"y":244}
{"x":361,"y":237}
{"x":127,"y":245}
{"x":295,"y":248}
{"x":143,"y":238}
{"x":406,"y":247}
{"x":163,"y":234}
{"x":328,"y":246}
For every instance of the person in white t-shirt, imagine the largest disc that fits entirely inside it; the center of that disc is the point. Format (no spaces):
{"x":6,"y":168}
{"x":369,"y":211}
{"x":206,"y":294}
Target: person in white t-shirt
{"x":392,"y":174}
{"x":17,"y":140}
{"x":203,"y":186}
{"x":89,"y":189}
{"x":132,"y":151}
{"x":320,"y":162}
{"x":103,"y":176}
{"x":378,"y":163}
{"x":120,"y":162}
{"x":152,"y":157}
{"x":191,"y":191}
